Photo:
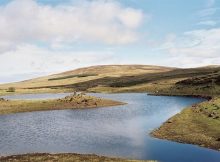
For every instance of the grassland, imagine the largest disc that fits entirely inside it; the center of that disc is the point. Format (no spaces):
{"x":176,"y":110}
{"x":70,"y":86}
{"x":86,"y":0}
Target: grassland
{"x":77,"y":101}
{"x":120,"y":78}
{"x":67,"y":157}
{"x":93,"y":77}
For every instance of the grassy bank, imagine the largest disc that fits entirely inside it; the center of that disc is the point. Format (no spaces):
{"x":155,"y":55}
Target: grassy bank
{"x":198,"y":124}
{"x":69,"y":102}
{"x":65,"y":157}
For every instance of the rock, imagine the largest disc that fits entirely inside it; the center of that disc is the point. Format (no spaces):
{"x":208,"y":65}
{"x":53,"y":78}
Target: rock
{"x":218,"y":139}
{"x":2,"y":99}
{"x":169,"y":121}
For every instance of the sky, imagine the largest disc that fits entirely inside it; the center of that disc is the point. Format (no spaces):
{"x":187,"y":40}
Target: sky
{"x":41,"y":37}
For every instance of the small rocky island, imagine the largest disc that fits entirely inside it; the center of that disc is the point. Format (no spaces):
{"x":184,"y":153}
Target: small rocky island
{"x":75,"y":101}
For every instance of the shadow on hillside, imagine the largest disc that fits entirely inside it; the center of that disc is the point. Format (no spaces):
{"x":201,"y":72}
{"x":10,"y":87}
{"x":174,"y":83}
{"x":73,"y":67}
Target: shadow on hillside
{"x":126,"y":81}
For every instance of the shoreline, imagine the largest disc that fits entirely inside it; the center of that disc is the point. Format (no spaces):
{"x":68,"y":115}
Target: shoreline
{"x":207,"y":97}
{"x":78,"y":101}
{"x":196,"y":124}
{"x":61,"y":157}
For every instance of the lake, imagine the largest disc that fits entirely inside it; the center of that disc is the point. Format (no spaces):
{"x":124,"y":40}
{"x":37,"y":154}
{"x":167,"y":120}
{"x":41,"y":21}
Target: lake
{"x":121,"y":131}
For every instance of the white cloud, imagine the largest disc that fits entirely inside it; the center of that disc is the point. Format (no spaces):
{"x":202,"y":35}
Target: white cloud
{"x":40,"y":39}
{"x":30,"y":59}
{"x":202,"y":43}
{"x":198,"y":47}
{"x":188,"y":62}
{"x":23,"y":21}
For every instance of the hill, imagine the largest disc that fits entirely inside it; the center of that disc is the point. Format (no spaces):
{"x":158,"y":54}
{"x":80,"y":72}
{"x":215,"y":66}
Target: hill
{"x":60,"y":82}
{"x":125,"y":78}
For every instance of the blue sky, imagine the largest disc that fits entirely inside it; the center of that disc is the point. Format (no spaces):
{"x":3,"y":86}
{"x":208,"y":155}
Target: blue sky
{"x":40,"y":37}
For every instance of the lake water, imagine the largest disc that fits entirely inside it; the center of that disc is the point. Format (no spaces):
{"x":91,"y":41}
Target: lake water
{"x":121,"y":131}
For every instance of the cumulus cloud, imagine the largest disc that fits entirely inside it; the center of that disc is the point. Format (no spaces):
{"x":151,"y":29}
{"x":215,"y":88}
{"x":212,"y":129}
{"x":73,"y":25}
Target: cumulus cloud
{"x":40,"y":38}
{"x":198,"y":47}
{"x":190,"y":61}
{"x":30,"y":59}
{"x":102,"y":21}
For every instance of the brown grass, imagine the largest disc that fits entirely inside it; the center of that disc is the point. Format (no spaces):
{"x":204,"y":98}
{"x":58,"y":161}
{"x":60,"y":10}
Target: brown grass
{"x":65,"y":157}
{"x":71,"y":102}
{"x":198,"y":125}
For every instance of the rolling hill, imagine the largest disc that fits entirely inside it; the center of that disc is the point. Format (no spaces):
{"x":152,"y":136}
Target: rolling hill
{"x":125,"y":78}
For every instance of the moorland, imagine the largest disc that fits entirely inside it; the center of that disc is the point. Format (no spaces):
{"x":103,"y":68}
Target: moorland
{"x":197,"y":124}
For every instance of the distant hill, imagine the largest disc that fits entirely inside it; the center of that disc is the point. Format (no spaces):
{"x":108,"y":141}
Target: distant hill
{"x":125,"y":78}
{"x":118,"y":69}
{"x":88,"y":73}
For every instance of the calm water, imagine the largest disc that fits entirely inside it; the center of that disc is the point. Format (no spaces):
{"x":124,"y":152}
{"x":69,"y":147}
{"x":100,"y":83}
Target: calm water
{"x":115,"y":131}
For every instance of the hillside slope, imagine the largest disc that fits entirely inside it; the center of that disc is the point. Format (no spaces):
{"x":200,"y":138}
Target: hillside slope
{"x":125,"y":78}
{"x":82,"y":75}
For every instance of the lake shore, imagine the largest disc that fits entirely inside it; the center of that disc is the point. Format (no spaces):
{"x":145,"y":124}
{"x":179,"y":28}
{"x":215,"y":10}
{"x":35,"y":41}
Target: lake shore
{"x":78,"y":101}
{"x":198,"y":124}
{"x":67,"y":157}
